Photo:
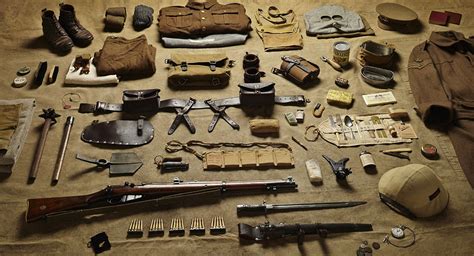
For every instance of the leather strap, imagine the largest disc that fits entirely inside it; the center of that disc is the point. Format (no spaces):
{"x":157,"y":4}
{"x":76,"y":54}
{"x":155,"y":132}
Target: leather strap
{"x":220,"y":112}
{"x":397,"y":207}
{"x":183,"y":116}
{"x":100,"y":107}
{"x":294,"y":62}
{"x":103,"y":107}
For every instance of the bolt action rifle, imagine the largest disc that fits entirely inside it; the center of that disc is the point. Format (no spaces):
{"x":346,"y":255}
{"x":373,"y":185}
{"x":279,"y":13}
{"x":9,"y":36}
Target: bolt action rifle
{"x":129,"y":193}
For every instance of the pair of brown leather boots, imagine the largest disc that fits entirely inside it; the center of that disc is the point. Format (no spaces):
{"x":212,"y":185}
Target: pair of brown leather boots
{"x":62,"y":34}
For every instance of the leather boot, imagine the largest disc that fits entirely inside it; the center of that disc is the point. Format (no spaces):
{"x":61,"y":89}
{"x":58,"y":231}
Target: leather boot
{"x":54,"y":33}
{"x":67,"y":19}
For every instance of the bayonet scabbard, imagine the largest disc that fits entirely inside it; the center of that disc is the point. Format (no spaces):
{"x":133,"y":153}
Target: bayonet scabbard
{"x":260,"y":209}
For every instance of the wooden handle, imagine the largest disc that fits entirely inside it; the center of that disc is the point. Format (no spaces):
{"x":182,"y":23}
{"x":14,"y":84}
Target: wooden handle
{"x":397,"y":150}
{"x":335,"y":65}
{"x":39,"y":149}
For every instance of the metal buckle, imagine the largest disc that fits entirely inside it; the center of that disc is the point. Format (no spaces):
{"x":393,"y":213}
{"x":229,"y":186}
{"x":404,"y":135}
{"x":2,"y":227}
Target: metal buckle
{"x":184,"y":66}
{"x":212,"y":65}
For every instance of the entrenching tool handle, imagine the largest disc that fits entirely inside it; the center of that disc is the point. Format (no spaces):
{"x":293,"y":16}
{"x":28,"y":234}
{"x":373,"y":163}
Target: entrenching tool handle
{"x":40,"y":148}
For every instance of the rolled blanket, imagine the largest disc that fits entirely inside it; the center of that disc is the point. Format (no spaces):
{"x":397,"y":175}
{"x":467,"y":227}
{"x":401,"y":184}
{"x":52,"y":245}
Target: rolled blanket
{"x":116,"y":11}
{"x":115,"y":19}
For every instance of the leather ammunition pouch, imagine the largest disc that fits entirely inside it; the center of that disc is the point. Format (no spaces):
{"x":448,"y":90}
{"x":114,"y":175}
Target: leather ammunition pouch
{"x":253,"y":75}
{"x":375,"y":54}
{"x":257,"y":93}
{"x":297,"y":69}
{"x":119,"y":132}
{"x":204,"y":70}
{"x":140,"y":101}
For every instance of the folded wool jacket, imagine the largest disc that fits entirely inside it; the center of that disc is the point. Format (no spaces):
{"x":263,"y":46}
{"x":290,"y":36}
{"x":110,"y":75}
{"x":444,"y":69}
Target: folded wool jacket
{"x":123,"y":57}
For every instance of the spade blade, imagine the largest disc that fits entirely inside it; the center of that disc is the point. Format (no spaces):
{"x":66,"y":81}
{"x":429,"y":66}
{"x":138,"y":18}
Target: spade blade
{"x":124,"y":164}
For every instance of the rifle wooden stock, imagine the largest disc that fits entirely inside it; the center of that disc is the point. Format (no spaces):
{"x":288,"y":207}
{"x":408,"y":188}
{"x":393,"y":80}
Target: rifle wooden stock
{"x":41,"y":208}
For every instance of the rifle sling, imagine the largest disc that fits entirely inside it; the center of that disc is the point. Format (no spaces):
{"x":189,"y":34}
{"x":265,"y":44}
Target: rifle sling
{"x":181,"y":197}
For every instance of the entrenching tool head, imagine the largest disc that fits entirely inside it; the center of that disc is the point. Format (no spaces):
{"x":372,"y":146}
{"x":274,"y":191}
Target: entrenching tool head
{"x":124,"y":164}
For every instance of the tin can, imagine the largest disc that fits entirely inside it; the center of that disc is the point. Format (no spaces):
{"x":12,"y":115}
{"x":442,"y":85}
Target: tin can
{"x":341,"y":52}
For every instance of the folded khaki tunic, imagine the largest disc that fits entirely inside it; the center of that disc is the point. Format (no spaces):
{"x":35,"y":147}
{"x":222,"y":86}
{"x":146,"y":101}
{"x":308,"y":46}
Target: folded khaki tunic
{"x":123,"y":57}
{"x":441,"y":75}
{"x":202,"y":18}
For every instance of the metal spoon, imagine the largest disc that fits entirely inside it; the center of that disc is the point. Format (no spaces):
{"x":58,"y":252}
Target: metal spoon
{"x":348,"y":122}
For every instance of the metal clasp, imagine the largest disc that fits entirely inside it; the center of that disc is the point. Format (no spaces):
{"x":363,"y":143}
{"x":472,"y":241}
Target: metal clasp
{"x":184,"y":66}
{"x":212,"y":65}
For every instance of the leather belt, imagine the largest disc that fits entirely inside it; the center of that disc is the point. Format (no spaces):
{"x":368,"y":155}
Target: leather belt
{"x":182,"y":107}
{"x":100,"y":107}
{"x":104,"y":107}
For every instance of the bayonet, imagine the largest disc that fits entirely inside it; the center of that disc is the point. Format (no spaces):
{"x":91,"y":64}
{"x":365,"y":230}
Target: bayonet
{"x":260,"y":209}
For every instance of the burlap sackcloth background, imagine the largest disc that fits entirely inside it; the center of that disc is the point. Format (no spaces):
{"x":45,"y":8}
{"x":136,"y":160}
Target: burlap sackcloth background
{"x":451,"y":233}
